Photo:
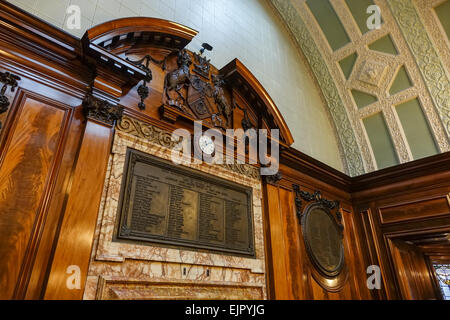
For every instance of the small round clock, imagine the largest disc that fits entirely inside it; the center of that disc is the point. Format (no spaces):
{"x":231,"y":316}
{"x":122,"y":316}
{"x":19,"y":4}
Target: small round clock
{"x":206,"y":144}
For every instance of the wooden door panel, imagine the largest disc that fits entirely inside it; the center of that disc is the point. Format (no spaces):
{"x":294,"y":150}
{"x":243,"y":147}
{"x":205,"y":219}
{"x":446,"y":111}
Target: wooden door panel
{"x":412,"y":272}
{"x":26,"y":169}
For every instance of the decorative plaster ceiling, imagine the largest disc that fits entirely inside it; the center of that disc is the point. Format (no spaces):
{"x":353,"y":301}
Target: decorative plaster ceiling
{"x":407,"y":58}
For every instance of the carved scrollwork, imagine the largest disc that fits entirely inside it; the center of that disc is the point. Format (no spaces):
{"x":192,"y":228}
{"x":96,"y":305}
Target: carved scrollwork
{"x":244,"y":169}
{"x":316,"y":197}
{"x":273,"y":179}
{"x":8,"y":79}
{"x":146,"y":131}
{"x":102,"y":110}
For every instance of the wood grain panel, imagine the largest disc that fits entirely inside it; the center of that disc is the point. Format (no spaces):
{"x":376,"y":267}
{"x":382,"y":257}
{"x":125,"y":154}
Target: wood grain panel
{"x":35,"y":288}
{"x":26,"y":168}
{"x":80,"y":217}
{"x":290,"y":224}
{"x":281,"y":284}
{"x":415,"y":280}
{"x":426,"y":208}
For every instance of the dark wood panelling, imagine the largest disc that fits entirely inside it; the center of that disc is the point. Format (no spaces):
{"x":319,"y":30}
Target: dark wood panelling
{"x":415,"y":280}
{"x":28,"y":162}
{"x":295,"y":269}
{"x":279,"y":273}
{"x":57,"y":202}
{"x":415,"y":210}
{"x":81,"y":212}
{"x":398,"y":206}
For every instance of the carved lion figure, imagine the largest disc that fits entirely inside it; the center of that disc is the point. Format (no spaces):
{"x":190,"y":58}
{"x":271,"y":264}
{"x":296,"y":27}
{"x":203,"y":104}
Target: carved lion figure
{"x":177,"y":79}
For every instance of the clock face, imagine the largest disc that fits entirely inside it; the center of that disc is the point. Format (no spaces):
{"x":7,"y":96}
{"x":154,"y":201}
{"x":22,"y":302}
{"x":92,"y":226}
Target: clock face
{"x":206,"y":144}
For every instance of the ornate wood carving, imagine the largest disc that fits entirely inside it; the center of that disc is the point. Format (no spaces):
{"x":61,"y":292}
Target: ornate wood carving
{"x":201,"y":65}
{"x":8,"y":79}
{"x":273,"y":179}
{"x":219,"y":98}
{"x":199,"y":94}
{"x":143,"y":89}
{"x":315,"y":197}
{"x":128,"y":33}
{"x":177,"y":79}
{"x":102,"y":110}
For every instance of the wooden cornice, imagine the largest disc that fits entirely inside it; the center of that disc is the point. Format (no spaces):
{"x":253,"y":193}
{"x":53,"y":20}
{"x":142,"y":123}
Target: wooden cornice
{"x":415,"y":169}
{"x":237,"y":75}
{"x":314,"y":168}
{"x":36,"y":50}
{"x":396,"y":177}
{"x":140,"y":31}
{"x":38,"y":33}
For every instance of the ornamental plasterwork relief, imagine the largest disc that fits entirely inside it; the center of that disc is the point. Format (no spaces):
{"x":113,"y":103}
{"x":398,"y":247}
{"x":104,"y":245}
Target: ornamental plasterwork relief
{"x":373,"y":73}
{"x":430,"y":65}
{"x":425,"y":9}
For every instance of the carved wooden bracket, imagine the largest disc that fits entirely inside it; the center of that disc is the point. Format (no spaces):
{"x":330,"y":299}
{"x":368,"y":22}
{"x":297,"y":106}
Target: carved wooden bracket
{"x":102,"y":110}
{"x":273,"y":179}
{"x":8,"y":79}
{"x":315,"y":197}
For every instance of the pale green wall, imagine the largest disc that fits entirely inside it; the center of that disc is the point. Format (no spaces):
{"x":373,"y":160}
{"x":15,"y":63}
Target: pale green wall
{"x":443,"y":13}
{"x":331,"y":25}
{"x":417,"y":131}
{"x":381,"y":141}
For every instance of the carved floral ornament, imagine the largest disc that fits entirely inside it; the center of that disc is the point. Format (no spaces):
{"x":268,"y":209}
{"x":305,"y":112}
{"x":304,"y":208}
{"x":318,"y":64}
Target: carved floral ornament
{"x":11,"y":80}
{"x":315,"y":197}
{"x":102,"y":110}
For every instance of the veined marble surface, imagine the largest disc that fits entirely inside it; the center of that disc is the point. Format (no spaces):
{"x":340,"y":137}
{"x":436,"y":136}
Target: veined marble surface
{"x":125,"y":270}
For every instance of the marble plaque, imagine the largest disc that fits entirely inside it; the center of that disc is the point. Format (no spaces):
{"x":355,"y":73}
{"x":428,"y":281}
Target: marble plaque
{"x":170,"y":204}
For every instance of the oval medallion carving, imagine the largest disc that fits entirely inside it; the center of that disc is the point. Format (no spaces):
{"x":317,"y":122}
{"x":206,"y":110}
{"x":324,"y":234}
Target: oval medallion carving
{"x":323,"y":240}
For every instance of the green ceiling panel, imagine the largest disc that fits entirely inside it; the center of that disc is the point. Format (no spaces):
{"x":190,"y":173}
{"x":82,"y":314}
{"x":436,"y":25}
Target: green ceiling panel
{"x":443,"y":13}
{"x":417,"y":131}
{"x":329,"y":23}
{"x":401,"y":82}
{"x":385,"y":45}
{"x":347,"y":64}
{"x":358,"y":9}
{"x":363,"y":99}
{"x":381,"y":141}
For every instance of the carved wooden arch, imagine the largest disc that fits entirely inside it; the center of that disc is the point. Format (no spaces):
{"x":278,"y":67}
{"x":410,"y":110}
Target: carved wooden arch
{"x":115,"y":39}
{"x":147,"y":31}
